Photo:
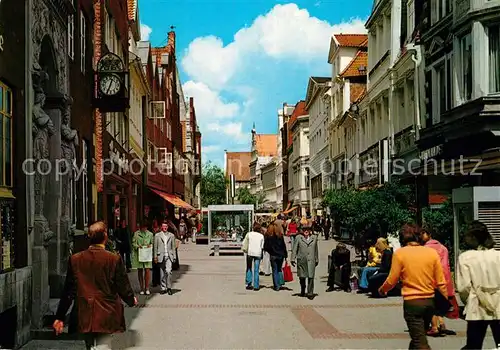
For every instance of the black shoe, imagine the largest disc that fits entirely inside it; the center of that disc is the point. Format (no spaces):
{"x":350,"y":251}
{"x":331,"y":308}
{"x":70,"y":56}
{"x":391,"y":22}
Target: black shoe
{"x":163,"y":292}
{"x":310,"y":296}
{"x":261,"y":273}
{"x":302,"y":294}
{"x":169,"y":291}
{"x":256,"y":289}
{"x":330,"y":289}
{"x":249,"y":287}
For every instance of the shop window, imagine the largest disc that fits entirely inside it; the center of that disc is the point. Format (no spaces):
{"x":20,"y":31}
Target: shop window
{"x":5,"y":139}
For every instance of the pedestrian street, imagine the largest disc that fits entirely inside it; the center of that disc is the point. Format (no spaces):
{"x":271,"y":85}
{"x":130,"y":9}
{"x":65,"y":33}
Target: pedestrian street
{"x":211,"y":309}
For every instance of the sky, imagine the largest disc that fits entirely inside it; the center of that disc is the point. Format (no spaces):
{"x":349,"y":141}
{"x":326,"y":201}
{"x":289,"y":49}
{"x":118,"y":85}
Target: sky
{"x":242,"y":59}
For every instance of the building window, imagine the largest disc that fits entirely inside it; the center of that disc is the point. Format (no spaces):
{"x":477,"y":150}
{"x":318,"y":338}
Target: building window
{"x":71,"y":36}
{"x":410,"y":18}
{"x":83,"y":38}
{"x":5,"y":136}
{"x":466,"y":64}
{"x":494,"y":43}
{"x":84,"y":179}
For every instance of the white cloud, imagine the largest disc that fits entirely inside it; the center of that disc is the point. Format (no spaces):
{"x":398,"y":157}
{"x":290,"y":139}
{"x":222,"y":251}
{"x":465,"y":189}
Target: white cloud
{"x":284,"y":32}
{"x":208,"y":60}
{"x":145,"y":32}
{"x":231,"y":129}
{"x":208,"y":103}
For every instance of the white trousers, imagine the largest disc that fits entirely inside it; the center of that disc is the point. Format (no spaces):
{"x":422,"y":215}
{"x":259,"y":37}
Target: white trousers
{"x":166,"y":274}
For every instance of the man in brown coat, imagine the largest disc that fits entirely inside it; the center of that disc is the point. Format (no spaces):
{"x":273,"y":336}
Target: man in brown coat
{"x":97,"y":282}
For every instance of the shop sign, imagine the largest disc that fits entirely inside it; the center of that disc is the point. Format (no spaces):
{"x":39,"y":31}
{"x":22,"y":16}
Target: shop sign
{"x":1,"y":43}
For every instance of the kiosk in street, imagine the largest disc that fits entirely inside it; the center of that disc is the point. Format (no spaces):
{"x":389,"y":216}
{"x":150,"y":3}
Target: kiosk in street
{"x":227,"y":227}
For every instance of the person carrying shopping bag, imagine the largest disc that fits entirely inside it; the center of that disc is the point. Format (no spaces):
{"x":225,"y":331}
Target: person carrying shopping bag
{"x":142,"y":256}
{"x":275,"y":245}
{"x":306,"y":257}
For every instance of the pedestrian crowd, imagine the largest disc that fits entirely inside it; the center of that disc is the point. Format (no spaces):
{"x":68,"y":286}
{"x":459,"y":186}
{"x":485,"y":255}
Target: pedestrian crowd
{"x":97,"y":283}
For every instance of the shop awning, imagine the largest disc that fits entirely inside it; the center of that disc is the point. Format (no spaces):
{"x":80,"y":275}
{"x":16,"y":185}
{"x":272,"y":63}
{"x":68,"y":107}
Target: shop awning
{"x":176,"y":201}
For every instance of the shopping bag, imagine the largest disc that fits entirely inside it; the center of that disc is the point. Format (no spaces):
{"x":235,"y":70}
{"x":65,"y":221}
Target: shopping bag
{"x":287,"y":273}
{"x":146,"y":254}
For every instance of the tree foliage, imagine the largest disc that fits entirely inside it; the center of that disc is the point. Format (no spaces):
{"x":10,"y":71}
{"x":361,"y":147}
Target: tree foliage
{"x":213,"y":185}
{"x":375,"y":212}
{"x":246,"y":197}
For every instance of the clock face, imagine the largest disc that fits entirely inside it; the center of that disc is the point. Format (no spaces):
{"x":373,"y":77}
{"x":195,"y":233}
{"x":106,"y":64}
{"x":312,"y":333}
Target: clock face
{"x":110,"y":84}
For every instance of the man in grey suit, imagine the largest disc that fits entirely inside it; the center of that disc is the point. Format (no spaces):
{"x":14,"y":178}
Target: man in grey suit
{"x":164,"y":249}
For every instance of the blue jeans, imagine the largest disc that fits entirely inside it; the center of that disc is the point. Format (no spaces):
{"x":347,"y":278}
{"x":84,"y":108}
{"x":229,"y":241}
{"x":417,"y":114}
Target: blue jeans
{"x":366,"y":273}
{"x":254,"y":263}
{"x":276,"y":264}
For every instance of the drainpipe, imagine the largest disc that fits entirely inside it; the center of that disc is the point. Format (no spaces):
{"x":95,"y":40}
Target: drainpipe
{"x":417,"y":59}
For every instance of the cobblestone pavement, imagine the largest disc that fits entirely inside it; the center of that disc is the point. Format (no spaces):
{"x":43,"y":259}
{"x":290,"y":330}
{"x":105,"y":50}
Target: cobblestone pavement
{"x":211,"y":309}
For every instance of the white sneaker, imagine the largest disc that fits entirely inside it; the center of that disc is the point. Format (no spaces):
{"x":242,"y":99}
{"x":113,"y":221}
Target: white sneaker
{"x":148,"y":292}
{"x":142,"y":292}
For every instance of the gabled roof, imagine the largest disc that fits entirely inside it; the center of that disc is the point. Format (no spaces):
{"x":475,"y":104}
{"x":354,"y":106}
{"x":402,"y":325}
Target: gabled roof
{"x":238,"y":163}
{"x":351,"y":40}
{"x":300,"y":110}
{"x":358,"y":91}
{"x":338,"y":41}
{"x":266,"y":145}
{"x":353,"y":68}
{"x":315,"y":83}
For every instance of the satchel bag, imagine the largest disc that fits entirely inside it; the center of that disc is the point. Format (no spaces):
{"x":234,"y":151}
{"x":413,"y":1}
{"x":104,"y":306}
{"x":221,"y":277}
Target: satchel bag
{"x":441,"y":303}
{"x":287,"y":273}
{"x":146,"y":254}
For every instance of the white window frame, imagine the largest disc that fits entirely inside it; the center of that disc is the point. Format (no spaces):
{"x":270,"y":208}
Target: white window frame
{"x":491,"y":29}
{"x":151,"y":157}
{"x":463,"y":80}
{"x":83,"y":43}
{"x":71,"y":37}
{"x":410,"y":18}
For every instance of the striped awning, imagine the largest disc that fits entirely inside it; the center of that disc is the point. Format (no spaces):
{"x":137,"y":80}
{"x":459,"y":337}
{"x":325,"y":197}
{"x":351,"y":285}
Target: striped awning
{"x":176,"y":201}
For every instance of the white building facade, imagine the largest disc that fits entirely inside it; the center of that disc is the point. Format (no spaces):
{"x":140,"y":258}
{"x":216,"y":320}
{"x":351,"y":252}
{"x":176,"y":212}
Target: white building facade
{"x":298,"y":165}
{"x":318,"y":107}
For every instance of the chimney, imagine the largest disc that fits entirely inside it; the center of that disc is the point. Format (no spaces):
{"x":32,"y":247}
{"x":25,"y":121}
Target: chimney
{"x":171,"y":42}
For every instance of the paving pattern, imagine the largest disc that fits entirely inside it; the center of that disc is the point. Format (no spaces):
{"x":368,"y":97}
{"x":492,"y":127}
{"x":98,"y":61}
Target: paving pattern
{"x":211,"y":309}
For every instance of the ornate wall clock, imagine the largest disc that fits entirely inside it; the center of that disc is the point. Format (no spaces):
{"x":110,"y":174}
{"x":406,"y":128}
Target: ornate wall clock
{"x":111,"y":84}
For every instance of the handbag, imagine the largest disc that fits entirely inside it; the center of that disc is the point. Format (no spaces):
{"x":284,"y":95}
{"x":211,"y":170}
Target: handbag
{"x":287,"y":273}
{"x":244,"y":247}
{"x":146,"y":254}
{"x":441,"y":303}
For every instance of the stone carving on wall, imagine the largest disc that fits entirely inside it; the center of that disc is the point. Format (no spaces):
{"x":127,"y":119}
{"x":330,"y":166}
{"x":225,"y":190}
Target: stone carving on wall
{"x":43,"y":129}
{"x":45,"y":23}
{"x":69,"y":142}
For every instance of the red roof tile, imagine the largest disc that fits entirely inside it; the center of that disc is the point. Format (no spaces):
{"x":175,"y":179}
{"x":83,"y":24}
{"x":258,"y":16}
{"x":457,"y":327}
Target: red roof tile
{"x":352,"y":69}
{"x":358,"y":91}
{"x":267,"y":145}
{"x":300,"y":109}
{"x":352,"y":40}
{"x":238,"y":163}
